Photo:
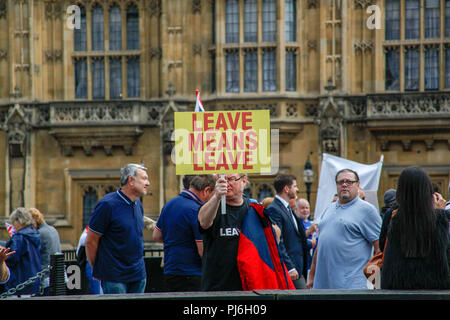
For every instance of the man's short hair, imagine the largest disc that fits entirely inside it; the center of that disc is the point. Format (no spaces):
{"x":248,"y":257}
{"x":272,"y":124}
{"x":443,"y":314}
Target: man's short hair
{"x":200,"y":182}
{"x":283,"y":180}
{"x":299,"y":200}
{"x":187,"y":180}
{"x":346,"y":170}
{"x":130,"y":170}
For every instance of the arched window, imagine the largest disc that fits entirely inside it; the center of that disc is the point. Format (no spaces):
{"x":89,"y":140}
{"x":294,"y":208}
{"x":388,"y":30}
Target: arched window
{"x":291,"y":18}
{"x":232,"y":21}
{"x":269,"y":20}
{"x":115,"y":28}
{"x":132,"y":28}
{"x":107,"y":71}
{"x":80,"y":43}
{"x":90,"y":199}
{"x":98,"y":35}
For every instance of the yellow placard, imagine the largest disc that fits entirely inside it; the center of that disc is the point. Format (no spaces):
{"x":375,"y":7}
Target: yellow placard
{"x":222,"y":142}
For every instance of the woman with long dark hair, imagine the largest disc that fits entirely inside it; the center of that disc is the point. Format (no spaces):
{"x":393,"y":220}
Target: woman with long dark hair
{"x":416,"y":255}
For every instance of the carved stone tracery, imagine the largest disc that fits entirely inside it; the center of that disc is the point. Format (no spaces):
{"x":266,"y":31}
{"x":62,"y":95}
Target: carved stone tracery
{"x":330,"y":120}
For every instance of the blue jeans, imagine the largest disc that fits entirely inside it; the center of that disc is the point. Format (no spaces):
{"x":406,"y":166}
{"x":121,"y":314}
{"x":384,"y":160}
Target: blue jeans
{"x":94,"y":284}
{"x":122,"y":287}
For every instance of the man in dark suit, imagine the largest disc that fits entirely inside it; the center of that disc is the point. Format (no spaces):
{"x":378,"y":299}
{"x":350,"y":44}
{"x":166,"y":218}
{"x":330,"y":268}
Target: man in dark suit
{"x":293,"y":247}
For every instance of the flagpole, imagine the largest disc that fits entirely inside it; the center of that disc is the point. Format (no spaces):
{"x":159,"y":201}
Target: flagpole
{"x":223,"y":202}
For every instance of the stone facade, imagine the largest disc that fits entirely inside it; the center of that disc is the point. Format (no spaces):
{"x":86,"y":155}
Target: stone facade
{"x":60,"y":152}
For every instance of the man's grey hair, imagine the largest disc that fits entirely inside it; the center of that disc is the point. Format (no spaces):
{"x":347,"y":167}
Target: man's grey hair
{"x":21,"y":216}
{"x":302,"y":200}
{"x":130,"y":170}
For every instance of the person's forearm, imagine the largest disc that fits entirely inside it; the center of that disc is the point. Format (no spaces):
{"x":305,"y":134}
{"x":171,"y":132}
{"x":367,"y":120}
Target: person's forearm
{"x":376,"y":246}
{"x":91,"y":254}
{"x":312,"y":269}
{"x":91,"y":249}
{"x":208,"y":212}
{"x":4,"y":272}
{"x":200,"y":248}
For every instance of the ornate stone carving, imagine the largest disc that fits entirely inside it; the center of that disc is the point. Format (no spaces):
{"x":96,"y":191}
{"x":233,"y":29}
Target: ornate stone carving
{"x":272,"y":107}
{"x":406,"y":144}
{"x":363,"y":46}
{"x":197,"y":6}
{"x":53,"y":55}
{"x":420,"y":105}
{"x":155,"y":8}
{"x":174,"y":29}
{"x":174,"y":64}
{"x":357,"y":108}
{"x":197,"y":49}
{"x":364,"y":3}
{"x":3,"y":53}
{"x":100,"y":113}
{"x":167,"y":132}
{"x":311,"y":110}
{"x":292,"y":111}
{"x":16,"y":94}
{"x":3,"y":9}
{"x":90,"y":139}
{"x":22,"y":67}
{"x":154,"y":113}
{"x":171,"y":90}
{"x":330,"y":120}
{"x":312,"y":4}
{"x":155,"y":53}
{"x":17,"y":124}
{"x":53,"y":10}
{"x":312,"y":44}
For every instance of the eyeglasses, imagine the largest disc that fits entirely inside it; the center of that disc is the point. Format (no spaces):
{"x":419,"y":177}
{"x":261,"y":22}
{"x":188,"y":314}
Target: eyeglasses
{"x":347,"y":182}
{"x":234,"y":179}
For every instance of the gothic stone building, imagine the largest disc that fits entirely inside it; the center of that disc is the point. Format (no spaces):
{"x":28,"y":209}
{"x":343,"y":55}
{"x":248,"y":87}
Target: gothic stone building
{"x":86,"y":89}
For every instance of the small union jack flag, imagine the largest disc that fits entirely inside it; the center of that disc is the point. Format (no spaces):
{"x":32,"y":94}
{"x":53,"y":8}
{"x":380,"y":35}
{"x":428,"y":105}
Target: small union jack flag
{"x":198,"y":102}
{"x":10,"y":228}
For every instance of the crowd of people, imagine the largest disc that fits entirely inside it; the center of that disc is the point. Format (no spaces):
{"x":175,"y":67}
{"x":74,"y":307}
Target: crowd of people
{"x":28,"y":252}
{"x":202,"y":245}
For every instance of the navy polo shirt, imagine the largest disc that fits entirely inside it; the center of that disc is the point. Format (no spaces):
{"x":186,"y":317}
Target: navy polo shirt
{"x":179,"y":227}
{"x":120,"y":222}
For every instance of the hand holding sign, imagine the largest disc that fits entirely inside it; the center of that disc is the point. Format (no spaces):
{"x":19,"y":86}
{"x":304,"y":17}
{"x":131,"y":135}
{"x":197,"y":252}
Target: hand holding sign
{"x":222,"y":142}
{"x":221,"y":190}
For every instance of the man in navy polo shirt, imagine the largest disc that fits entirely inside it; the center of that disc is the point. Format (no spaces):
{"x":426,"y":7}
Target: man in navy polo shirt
{"x":177,"y":229}
{"x":114,"y":243}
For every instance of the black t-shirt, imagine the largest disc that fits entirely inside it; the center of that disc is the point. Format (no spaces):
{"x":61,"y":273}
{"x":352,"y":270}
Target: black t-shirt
{"x":220,"y":241}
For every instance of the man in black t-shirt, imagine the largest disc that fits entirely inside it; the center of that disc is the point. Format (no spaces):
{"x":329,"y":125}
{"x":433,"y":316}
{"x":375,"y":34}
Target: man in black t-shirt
{"x":221,"y":234}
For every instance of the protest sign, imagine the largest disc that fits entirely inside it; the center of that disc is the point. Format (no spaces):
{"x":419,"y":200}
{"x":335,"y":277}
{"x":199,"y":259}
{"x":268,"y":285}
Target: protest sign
{"x":222,"y":142}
